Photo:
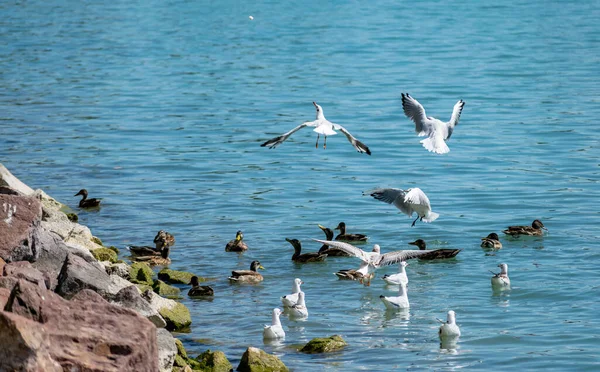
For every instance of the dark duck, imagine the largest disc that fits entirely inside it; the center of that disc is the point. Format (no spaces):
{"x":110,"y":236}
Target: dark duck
{"x":85,"y":202}
{"x":342,"y":236}
{"x":304,"y":257}
{"x":435,"y":254}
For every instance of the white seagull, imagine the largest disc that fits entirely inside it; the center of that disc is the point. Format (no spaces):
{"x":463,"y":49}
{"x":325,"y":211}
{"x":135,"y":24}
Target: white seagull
{"x":274,"y":330}
{"x":291,"y":299}
{"x":299,"y":310}
{"x":408,"y":201}
{"x":397,"y":302}
{"x":500,"y":281}
{"x":322,"y":126}
{"x":371,"y":261}
{"x":449,"y":329}
{"x":398,"y":278}
{"x":437,"y":131}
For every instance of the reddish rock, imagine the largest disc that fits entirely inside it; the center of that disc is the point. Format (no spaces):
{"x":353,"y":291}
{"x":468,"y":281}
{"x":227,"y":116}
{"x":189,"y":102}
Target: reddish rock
{"x":18,"y":214}
{"x":86,"y":333}
{"x":2,"y":263}
{"x":4,"y":294}
{"x":24,"y":270}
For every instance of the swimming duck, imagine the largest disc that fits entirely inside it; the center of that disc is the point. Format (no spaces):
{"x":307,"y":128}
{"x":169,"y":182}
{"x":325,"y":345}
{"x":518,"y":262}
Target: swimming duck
{"x":398,"y":278}
{"x":248,"y":276}
{"x":161,"y":259}
{"x":349,"y":237}
{"x":396,"y":302}
{"x":436,"y":253}
{"x":198,"y":290}
{"x":299,"y":310}
{"x":500,"y":281}
{"x":305,"y":257}
{"x":237,"y":244}
{"x":85,"y":202}
{"x":161,"y":240}
{"x":449,"y":329}
{"x":327,"y":249}
{"x":291,"y":299}
{"x":491,"y":241}
{"x":535,"y":229}
{"x":274,"y":331}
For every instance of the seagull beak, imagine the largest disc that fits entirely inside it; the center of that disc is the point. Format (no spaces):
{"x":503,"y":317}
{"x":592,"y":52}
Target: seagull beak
{"x":314,"y":103}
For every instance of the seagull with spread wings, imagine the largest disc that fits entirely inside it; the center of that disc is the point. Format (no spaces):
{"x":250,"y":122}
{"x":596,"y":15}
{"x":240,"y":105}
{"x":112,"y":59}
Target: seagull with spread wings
{"x":408,"y":201}
{"x":437,"y":131}
{"x":322,"y":126}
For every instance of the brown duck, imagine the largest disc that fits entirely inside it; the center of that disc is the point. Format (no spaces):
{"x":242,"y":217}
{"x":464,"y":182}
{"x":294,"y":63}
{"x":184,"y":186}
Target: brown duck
{"x":330,"y":251}
{"x":162,"y":240}
{"x":247,"y":276}
{"x":85,"y":202}
{"x":160,"y":259}
{"x":342,"y":236}
{"x":535,"y":229}
{"x":436,"y":253}
{"x":491,"y":241}
{"x":237,"y":244}
{"x":304,"y":257}
{"x":198,"y":290}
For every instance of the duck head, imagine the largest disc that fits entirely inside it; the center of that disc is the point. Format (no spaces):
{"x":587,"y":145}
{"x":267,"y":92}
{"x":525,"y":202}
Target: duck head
{"x":85,"y":193}
{"x":255,"y":265}
{"x":296,"y":244}
{"x":419,"y":243}
{"x":239,"y":235}
{"x":328,"y":232}
{"x":492,"y":236}
{"x":537,"y":224}
{"x":194,"y":281}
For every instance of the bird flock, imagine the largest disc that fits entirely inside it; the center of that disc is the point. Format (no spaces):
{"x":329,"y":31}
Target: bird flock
{"x":410,"y":201}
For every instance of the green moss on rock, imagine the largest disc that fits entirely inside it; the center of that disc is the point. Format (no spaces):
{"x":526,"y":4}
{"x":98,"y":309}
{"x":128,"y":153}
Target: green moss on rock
{"x":257,"y":360}
{"x":73,"y":217}
{"x":177,"y":318}
{"x":179,"y":361}
{"x":141,"y":273}
{"x":114,"y":249}
{"x":324,"y":345}
{"x":213,"y":361}
{"x":97,"y":240}
{"x":104,"y":254}
{"x":144,"y":287}
{"x":180,"y":349}
{"x":177,"y":277}
{"x":164,"y":289}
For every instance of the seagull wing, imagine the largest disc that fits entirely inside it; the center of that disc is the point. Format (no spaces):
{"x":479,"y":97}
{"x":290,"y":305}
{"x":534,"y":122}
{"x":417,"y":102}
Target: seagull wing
{"x":416,"y":196}
{"x":359,"y":146}
{"x":274,"y":142}
{"x":348,"y":248}
{"x":455,"y":115}
{"x":392,"y":258}
{"x":392,"y":196}
{"x":415,"y":111}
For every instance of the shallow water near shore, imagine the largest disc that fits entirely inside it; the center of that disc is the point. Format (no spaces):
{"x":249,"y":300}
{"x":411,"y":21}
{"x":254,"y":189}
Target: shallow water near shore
{"x":159,"y":108}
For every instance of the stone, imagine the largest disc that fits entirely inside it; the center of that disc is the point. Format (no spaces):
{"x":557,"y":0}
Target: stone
{"x":141,"y":273}
{"x":257,"y":360}
{"x":164,"y":289}
{"x":214,"y":361}
{"x":4,"y":295}
{"x":324,"y":345}
{"x":130,"y":298}
{"x":18,"y":215}
{"x":176,"y":277}
{"x":175,"y":314}
{"x":24,"y":270}
{"x":167,"y":350}
{"x":105,"y":254}
{"x":77,"y":274}
{"x":116,"y":284}
{"x":8,"y":180}
{"x":73,"y":217}
{"x":180,"y":348}
{"x":120,"y":269}
{"x":2,"y":263}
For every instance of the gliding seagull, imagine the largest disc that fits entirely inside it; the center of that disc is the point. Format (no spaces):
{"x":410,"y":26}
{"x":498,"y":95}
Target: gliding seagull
{"x":322,"y":126}
{"x":408,"y":201}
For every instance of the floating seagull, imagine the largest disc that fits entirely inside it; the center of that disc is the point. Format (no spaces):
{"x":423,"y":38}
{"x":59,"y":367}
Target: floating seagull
{"x":322,"y":126}
{"x":349,"y":237}
{"x":299,"y":310}
{"x":304,"y":257}
{"x":408,"y":201}
{"x":449,"y":329}
{"x":491,"y":241}
{"x":437,"y":131}
{"x":291,"y":299}
{"x":198,"y":290}
{"x":374,"y":260}
{"x":396,"y":302}
{"x":535,"y":229}
{"x":85,"y":202}
{"x":274,"y":330}
{"x":398,"y":278}
{"x":237,"y":244}
{"x":435,"y":253}
{"x":500,"y":281}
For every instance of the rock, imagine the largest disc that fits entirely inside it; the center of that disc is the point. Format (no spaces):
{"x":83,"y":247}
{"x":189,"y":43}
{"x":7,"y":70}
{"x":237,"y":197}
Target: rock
{"x":2,"y":263}
{"x":164,"y":289}
{"x":180,"y":348}
{"x":24,"y":270}
{"x":4,"y":294}
{"x":143,"y":288}
{"x":175,"y":314}
{"x":141,"y":273}
{"x":73,"y":217}
{"x":256,"y":360}
{"x":120,"y":269}
{"x":105,"y":254}
{"x":86,"y":333}
{"x":77,"y":274}
{"x":8,"y":180}
{"x":130,"y":298}
{"x":18,"y":215}
{"x":167,"y":350}
{"x":176,"y":277}
{"x":214,"y":361}
{"x":116,"y":284}
{"x":324,"y":345}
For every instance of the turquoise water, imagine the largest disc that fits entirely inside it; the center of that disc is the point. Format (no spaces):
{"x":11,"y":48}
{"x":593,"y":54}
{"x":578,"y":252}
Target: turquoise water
{"x":160,"y":107}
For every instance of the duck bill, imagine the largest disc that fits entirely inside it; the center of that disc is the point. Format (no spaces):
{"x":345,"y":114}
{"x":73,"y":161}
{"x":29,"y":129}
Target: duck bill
{"x":413,"y":243}
{"x":262,"y":267}
{"x":322,"y":227}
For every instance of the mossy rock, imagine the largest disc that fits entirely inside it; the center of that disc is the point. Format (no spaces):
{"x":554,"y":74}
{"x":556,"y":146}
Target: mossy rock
{"x":179,"y":361}
{"x":73,"y":217}
{"x":177,"y":318}
{"x":144,"y":287}
{"x":97,"y":240}
{"x":141,"y":273}
{"x":104,"y":254}
{"x":180,"y":349}
{"x":164,"y":289}
{"x":257,"y":360}
{"x":213,"y":361}
{"x":114,"y":249}
{"x":324,"y":345}
{"x":176,"y":277}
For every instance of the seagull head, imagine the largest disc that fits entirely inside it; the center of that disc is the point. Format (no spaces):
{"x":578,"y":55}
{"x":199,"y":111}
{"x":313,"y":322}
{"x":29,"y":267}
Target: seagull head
{"x":319,"y":109}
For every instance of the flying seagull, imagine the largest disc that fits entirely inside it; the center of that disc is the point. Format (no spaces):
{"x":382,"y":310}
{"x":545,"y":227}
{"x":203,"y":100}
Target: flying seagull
{"x":408,"y":201}
{"x":437,"y":131}
{"x":322,"y":126}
